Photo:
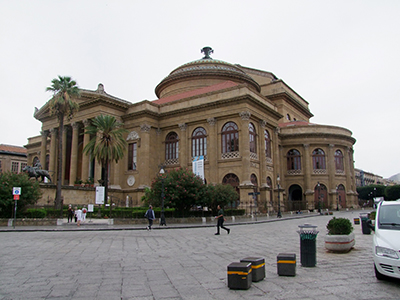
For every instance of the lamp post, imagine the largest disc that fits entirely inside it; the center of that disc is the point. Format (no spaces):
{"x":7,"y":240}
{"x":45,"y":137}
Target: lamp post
{"x":279,"y":198}
{"x":162,"y":219}
{"x":337,"y":198}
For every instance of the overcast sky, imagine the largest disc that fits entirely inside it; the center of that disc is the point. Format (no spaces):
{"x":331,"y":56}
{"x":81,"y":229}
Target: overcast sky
{"x":340,"y":56}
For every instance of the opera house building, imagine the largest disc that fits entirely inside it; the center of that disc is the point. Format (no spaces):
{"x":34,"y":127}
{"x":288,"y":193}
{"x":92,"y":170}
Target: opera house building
{"x":252,"y":129}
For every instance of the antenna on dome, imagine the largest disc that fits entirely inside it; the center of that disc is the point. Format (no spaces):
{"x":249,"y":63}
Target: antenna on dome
{"x":207,"y":51}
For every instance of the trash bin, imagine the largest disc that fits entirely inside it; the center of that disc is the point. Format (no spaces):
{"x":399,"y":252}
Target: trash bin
{"x":308,"y":236}
{"x":364,"y":225}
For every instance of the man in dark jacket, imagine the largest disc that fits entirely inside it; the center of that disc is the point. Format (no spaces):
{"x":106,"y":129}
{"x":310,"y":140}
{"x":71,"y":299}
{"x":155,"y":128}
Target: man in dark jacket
{"x":150,"y":216}
{"x":221,"y":220}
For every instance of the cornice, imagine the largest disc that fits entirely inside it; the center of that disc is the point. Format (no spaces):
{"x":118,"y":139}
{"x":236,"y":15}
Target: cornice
{"x":292,"y":102}
{"x":203,"y":74}
{"x":319,"y":135}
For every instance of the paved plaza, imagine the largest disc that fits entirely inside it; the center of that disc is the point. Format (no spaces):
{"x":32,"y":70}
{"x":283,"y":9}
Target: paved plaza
{"x":181,"y":263}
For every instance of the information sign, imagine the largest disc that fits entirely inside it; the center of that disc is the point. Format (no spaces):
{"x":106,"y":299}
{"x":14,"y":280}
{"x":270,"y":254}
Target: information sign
{"x":100,"y":194}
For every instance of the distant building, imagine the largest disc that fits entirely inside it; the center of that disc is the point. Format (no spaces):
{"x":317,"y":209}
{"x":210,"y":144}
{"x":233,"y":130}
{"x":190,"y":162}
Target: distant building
{"x":252,"y":129}
{"x":364,"y":178}
{"x":12,"y":158}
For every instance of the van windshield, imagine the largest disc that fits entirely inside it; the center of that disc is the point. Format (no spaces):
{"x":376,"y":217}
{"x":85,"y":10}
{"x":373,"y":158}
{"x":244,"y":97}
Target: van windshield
{"x":389,"y":217}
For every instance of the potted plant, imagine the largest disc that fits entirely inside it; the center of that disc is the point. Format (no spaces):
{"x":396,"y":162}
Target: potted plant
{"x":78,"y":182}
{"x":340,"y":236}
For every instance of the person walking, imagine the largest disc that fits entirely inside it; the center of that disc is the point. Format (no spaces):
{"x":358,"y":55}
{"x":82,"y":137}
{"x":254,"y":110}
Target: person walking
{"x":150,"y":216}
{"x":220,"y":221}
{"x":78,"y":214}
{"x":70,"y":213}
{"x":84,"y":211}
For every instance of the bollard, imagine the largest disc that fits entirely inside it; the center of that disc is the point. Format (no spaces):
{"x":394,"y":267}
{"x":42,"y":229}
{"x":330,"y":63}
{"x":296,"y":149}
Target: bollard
{"x":286,"y":264}
{"x":239,"y":276}
{"x":257,"y":267}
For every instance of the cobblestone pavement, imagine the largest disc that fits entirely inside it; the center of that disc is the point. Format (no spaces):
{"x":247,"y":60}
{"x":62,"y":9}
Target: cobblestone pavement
{"x":182,"y":263}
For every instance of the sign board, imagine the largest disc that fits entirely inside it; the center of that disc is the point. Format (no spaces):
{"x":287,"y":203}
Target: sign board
{"x":100,"y":194}
{"x":198,"y":166}
{"x":90,"y":207}
{"x":16,"y":197}
{"x":16,"y":191}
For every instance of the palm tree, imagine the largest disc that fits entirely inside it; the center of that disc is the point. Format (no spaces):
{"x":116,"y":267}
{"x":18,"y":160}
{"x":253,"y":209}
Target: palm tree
{"x":62,"y":105}
{"x":107,"y":144}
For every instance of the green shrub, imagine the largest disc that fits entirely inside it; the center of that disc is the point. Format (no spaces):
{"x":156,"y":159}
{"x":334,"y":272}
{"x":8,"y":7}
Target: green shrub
{"x":36,"y":213}
{"x":339,"y":226}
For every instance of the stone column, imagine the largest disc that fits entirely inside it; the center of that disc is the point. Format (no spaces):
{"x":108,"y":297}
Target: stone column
{"x":146,"y":157}
{"x":85,"y":158}
{"x":53,"y":154}
{"x":331,"y":176}
{"x":307,"y":167}
{"x":212,"y":152}
{"x":244,"y":147}
{"x":74,"y":154}
{"x":43,"y":148}
{"x":183,"y":157}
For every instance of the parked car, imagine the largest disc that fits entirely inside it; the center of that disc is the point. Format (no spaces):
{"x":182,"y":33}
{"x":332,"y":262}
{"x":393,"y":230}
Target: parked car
{"x":386,"y":245}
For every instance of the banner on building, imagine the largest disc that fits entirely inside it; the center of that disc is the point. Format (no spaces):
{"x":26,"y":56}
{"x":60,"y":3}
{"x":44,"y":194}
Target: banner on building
{"x":198,"y":166}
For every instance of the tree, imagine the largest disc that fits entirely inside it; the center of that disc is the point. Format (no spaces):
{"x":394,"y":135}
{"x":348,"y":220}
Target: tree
{"x":107,"y":144}
{"x":62,"y":105}
{"x":30,"y":192}
{"x":182,"y":190}
{"x":222,"y":194}
{"x":392,"y":192}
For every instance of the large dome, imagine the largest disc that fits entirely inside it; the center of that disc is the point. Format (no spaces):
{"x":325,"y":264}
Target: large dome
{"x":201,"y":73}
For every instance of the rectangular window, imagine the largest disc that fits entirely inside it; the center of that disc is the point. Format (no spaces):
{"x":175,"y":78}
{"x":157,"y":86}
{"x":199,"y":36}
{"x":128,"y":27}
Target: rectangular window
{"x":23,"y":165}
{"x":14,"y":166}
{"x":132,"y":156}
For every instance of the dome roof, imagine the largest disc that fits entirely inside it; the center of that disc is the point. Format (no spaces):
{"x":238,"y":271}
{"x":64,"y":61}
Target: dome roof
{"x":201,"y":73}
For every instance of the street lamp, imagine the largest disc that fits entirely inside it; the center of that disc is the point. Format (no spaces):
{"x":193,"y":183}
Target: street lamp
{"x":279,"y":198}
{"x":162,"y":220}
{"x":337,"y":198}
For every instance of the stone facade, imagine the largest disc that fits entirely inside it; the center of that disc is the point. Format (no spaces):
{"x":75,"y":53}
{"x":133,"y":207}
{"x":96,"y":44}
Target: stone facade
{"x":249,"y":125}
{"x":12,"y":158}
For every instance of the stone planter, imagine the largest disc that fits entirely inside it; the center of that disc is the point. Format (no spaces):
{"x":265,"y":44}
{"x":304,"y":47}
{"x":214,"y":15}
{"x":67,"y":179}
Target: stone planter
{"x":340,"y":243}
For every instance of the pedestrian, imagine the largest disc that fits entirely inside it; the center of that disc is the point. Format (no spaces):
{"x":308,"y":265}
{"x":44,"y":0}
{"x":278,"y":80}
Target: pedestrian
{"x":78,"y":214}
{"x":150,"y":216}
{"x":70,"y":213}
{"x":220,"y":221}
{"x":84,"y":211}
{"x":75,"y":211}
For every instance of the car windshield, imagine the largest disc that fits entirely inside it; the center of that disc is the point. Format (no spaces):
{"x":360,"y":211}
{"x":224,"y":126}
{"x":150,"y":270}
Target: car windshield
{"x":389,"y":217}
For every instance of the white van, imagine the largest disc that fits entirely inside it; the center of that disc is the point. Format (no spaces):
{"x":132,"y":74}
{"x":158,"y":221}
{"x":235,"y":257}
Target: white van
{"x":386,"y":246}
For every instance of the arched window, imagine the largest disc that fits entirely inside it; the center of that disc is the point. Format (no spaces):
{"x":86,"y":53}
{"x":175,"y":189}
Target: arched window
{"x":252,"y":136}
{"x":171,"y":146}
{"x":230,"y":138}
{"x":318,"y":158}
{"x":293,"y":160}
{"x":233,"y":180}
{"x":199,"y":142}
{"x":267,"y":142}
{"x":35,"y":160}
{"x":339,"y":161}
{"x":288,"y":117}
{"x":253,"y":179}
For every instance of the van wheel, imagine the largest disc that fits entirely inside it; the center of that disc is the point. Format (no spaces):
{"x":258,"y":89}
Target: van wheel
{"x":378,"y":275}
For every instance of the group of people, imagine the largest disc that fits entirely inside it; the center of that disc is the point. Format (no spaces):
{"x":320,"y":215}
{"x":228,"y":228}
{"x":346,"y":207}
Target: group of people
{"x":78,"y":214}
{"x":149,"y":215}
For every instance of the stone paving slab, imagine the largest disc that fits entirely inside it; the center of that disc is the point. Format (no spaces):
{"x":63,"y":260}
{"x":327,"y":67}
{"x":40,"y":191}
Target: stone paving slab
{"x":184,"y":263}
